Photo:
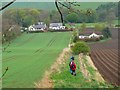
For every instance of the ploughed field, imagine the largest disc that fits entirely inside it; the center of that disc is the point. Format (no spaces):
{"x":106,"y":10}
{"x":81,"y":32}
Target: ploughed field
{"x":29,"y":56}
{"x":106,"y":59}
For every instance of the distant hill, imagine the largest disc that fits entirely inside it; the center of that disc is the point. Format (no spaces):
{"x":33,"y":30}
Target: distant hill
{"x":36,"y":5}
{"x":51,"y":5}
{"x":92,"y":5}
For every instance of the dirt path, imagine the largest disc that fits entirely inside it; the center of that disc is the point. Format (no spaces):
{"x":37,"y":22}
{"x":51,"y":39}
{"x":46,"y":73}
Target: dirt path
{"x":46,"y":82}
{"x":98,"y":76}
{"x":83,"y":67}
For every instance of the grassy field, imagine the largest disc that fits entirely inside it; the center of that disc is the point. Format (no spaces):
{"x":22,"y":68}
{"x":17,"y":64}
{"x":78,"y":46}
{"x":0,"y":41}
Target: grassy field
{"x":114,"y":22}
{"x":87,"y":24}
{"x":51,"y":5}
{"x":65,"y":80}
{"x":30,"y":55}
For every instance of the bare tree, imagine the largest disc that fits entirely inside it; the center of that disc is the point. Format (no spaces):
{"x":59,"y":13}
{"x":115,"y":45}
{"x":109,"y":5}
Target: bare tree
{"x":68,"y":5}
{"x":7,"y":5}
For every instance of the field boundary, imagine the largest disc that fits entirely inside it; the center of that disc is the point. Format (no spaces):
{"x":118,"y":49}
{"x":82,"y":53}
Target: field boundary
{"x":46,"y":82}
{"x":86,"y":63}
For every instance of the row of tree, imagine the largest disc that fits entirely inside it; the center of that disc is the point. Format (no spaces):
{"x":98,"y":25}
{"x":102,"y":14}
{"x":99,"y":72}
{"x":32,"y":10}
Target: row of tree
{"x":105,"y":12}
{"x":26,"y":17}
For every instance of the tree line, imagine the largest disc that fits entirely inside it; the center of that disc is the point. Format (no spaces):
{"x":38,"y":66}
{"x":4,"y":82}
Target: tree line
{"x":26,"y":17}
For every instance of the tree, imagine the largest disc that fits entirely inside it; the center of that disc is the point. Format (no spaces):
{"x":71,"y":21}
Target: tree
{"x":106,"y":32}
{"x":83,"y":26}
{"x":47,"y":21}
{"x":99,"y":27}
{"x":82,"y":17}
{"x":28,"y":20}
{"x":91,"y":16}
{"x":80,"y":47}
{"x":110,"y":17}
{"x":23,"y":17}
{"x":74,"y":36}
{"x":72,"y":17}
{"x":104,"y":10}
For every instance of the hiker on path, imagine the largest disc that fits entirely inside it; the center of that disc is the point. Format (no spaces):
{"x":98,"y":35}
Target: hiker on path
{"x":72,"y":66}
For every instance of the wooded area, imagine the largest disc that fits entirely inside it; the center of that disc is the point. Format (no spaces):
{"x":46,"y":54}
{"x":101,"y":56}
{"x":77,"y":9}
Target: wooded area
{"x":26,"y":17}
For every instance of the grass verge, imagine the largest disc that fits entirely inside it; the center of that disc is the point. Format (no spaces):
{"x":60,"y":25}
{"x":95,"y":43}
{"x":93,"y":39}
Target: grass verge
{"x":64,"y":79}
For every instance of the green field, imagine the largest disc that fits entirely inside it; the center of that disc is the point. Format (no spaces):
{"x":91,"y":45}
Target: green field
{"x":64,"y":79}
{"x":114,"y":22}
{"x":51,"y":5}
{"x":28,"y":56}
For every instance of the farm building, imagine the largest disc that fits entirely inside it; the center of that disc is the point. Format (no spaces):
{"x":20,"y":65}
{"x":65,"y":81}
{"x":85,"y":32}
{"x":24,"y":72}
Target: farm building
{"x":93,"y":35}
{"x":56,"y":26}
{"x":90,"y":34}
{"x":40,"y":26}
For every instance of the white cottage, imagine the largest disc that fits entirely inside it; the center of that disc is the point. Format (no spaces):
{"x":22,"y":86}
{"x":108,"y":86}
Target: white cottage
{"x":93,"y":35}
{"x":37,"y":27}
{"x":56,"y":26}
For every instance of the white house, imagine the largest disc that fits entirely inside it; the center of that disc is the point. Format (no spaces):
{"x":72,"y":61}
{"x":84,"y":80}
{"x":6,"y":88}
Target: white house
{"x":82,"y":36}
{"x":56,"y":26}
{"x":37,"y":27}
{"x":93,"y":35}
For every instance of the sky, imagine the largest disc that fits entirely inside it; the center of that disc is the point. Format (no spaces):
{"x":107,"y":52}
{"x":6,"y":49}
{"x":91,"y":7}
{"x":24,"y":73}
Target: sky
{"x":62,"y":0}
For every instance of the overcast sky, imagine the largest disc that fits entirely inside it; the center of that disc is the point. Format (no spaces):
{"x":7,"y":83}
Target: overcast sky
{"x":63,"y":0}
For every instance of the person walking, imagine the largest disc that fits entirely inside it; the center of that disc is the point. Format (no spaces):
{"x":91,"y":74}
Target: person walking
{"x":72,"y":66}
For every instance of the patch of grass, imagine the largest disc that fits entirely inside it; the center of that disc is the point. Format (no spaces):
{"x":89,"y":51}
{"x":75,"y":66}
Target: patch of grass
{"x":89,"y":68}
{"x":116,"y":22}
{"x":29,"y":56}
{"x":87,"y":24}
{"x":65,"y":80}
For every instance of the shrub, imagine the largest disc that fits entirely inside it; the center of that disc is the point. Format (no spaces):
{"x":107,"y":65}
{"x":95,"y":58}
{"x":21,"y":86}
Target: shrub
{"x":117,"y":25}
{"x":72,"y":17}
{"x":80,"y":47}
{"x":106,"y":32}
{"x":83,"y":26}
{"x":99,"y":27}
{"x":74,"y":37}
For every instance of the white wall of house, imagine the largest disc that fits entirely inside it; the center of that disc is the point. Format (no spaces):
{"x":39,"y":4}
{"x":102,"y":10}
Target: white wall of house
{"x":82,"y":36}
{"x":54,"y":28}
{"x":58,"y":27}
{"x":31,"y":28}
{"x":93,"y":35}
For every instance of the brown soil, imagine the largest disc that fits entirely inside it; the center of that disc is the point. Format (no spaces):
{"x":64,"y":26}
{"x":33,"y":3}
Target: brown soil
{"x":105,"y":56}
{"x":46,"y":82}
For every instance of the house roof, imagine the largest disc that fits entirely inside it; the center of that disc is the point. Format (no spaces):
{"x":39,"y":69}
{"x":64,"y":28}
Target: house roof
{"x":93,"y":34}
{"x":89,"y":32}
{"x":39,"y":26}
{"x":55,"y":24}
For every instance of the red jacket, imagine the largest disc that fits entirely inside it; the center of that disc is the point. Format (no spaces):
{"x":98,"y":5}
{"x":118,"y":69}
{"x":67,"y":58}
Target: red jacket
{"x":72,"y":65}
